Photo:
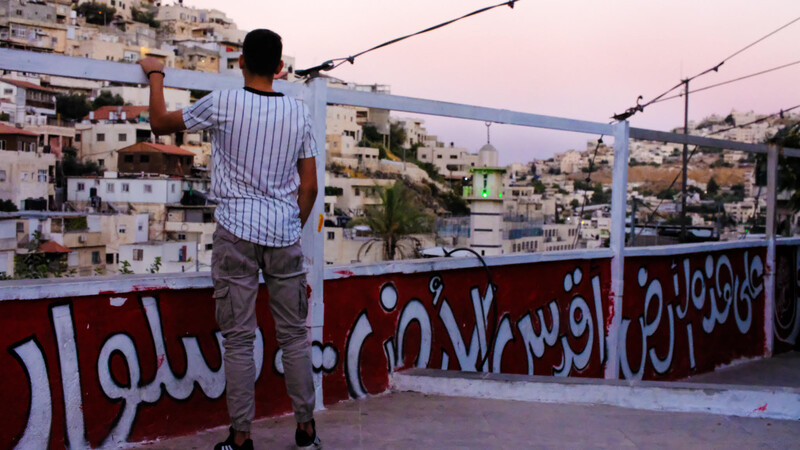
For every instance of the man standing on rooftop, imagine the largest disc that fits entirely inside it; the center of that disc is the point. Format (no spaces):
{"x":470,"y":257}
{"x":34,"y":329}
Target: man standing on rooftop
{"x":264,"y":181}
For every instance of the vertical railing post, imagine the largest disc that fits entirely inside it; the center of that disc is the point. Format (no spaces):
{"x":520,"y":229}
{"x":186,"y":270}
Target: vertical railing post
{"x":619,"y":189}
{"x":315,"y":96}
{"x":769,"y":274}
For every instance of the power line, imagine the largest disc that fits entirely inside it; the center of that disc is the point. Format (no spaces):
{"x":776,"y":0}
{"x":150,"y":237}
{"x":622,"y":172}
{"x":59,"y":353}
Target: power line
{"x":705,"y":88}
{"x":640,"y":107}
{"x":329,"y":65}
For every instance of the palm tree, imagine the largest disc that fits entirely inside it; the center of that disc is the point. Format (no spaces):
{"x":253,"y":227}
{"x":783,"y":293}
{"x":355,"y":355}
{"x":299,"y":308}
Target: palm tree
{"x":393,"y":221}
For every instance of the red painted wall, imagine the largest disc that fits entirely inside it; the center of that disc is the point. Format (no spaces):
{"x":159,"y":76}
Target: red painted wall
{"x":142,"y":365}
{"x":364,"y":319}
{"x":787,"y":298}
{"x":95,"y":321}
{"x":692,"y":312}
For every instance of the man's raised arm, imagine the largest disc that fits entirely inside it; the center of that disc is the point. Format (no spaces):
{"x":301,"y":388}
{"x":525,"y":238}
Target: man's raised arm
{"x":161,"y":121}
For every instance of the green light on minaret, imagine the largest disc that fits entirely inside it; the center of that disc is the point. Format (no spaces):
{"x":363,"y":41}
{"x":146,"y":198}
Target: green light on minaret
{"x":485,"y":193}
{"x":500,"y":195}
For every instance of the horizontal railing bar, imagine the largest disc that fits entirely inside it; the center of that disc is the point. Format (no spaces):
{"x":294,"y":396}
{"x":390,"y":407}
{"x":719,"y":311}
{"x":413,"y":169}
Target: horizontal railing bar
{"x":462,"y":111}
{"x":100,"y":70}
{"x":679,"y":138}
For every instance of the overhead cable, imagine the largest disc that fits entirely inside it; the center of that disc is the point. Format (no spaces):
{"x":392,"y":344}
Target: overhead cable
{"x":640,"y":107}
{"x":336,"y":62}
{"x":705,"y":88}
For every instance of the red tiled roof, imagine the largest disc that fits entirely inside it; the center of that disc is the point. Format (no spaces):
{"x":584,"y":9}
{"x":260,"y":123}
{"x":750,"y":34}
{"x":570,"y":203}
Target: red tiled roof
{"x":26,"y":85}
{"x":7,"y":129}
{"x":131,"y":112}
{"x":53,"y":247}
{"x":147,"y":147}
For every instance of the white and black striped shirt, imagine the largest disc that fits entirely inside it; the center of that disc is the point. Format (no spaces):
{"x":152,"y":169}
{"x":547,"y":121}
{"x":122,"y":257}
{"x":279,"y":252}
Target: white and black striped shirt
{"x":256,"y":139}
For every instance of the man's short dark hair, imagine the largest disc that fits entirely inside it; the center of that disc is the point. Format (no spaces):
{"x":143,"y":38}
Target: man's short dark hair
{"x":262,"y":50}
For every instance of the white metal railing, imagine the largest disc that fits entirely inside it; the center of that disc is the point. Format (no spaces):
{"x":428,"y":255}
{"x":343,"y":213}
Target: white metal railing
{"x":318,"y":95}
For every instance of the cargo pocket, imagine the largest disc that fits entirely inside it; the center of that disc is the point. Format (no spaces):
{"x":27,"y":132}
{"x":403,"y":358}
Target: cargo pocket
{"x":224,"y":311}
{"x":303,"y":293}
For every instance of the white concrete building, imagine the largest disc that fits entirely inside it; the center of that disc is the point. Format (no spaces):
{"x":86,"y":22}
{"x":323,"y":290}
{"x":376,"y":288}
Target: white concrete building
{"x":25,"y":174}
{"x":451,"y":162}
{"x":157,"y":190}
{"x":175,"y":257}
{"x":140,"y":96}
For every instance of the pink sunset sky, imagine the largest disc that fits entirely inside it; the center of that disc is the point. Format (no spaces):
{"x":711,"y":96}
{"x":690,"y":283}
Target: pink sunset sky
{"x":583,"y":59}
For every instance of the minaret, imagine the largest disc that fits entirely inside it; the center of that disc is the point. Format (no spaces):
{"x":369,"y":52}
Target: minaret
{"x":485,"y":198}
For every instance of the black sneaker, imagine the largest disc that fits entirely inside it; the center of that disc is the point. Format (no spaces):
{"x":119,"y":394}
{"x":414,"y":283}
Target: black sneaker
{"x":303,"y":440}
{"x":230,"y":444}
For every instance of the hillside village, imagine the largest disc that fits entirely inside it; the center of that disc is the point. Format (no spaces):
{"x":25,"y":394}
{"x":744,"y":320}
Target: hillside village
{"x":86,"y":188}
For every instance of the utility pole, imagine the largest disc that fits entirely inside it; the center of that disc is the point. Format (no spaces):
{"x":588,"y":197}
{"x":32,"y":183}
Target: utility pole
{"x":685,"y":160}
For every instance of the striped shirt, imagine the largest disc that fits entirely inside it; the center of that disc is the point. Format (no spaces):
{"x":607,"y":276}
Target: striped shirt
{"x":256,"y":139}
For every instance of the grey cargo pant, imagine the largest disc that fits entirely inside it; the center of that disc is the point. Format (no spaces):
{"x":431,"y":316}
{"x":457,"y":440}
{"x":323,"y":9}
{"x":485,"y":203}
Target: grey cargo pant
{"x":234,"y":270}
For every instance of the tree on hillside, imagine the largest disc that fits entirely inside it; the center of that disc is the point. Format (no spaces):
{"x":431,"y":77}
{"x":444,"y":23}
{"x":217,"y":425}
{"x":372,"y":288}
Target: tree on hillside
{"x":96,"y":13}
{"x":144,"y":16}
{"x":72,"y":106}
{"x":394,"y":221}
{"x":35,"y":264}
{"x":371,"y":137}
{"x":712,"y":187}
{"x":106,"y":99}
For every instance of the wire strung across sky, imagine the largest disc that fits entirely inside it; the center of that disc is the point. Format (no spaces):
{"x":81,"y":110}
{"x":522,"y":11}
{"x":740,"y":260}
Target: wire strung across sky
{"x":705,"y":88}
{"x":334,"y":63}
{"x":640,"y":107}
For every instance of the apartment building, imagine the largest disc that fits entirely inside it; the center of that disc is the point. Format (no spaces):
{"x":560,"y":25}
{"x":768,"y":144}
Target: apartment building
{"x":174,"y":257}
{"x":146,"y":157}
{"x":193,"y":225}
{"x":8,"y":244}
{"x":25,"y":171}
{"x":27,"y":99}
{"x":140,"y":96}
{"x":32,"y":25}
{"x":451,"y":162}
{"x":109,"y":129}
{"x":357,"y":193}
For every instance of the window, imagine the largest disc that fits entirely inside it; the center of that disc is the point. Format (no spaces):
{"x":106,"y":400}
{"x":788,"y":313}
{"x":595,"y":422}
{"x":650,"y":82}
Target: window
{"x":144,"y":158}
{"x":8,"y":91}
{"x":172,"y":188}
{"x":181,"y":236}
{"x":122,"y":229}
{"x":2,"y":144}
{"x":331,"y":235}
{"x":128,"y":158}
{"x":2,"y":175}
{"x":109,"y":187}
{"x":126,"y":187}
{"x":148,"y":188}
{"x":77,"y":137}
{"x":20,"y":227}
{"x":80,"y":187}
{"x":438,"y":156}
{"x":95,"y":257}
{"x":109,"y":258}
{"x":101,"y":137}
{"x":122,"y":137}
{"x":138,"y":254}
{"x":209,"y":246}
{"x":357,"y":192}
{"x":453,"y":156}
{"x":101,"y":162}
{"x":42,"y":176}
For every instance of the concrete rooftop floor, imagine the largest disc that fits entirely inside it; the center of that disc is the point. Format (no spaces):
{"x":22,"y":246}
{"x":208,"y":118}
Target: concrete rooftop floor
{"x":404,"y":420}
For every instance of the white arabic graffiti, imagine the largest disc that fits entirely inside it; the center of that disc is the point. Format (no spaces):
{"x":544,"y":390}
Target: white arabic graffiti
{"x":474,"y":354}
{"x":716,"y":282}
{"x":31,"y":356}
